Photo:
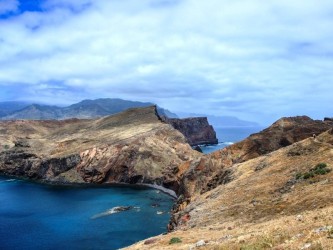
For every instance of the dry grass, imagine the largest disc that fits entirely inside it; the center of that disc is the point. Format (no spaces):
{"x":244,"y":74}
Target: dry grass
{"x":266,"y":208}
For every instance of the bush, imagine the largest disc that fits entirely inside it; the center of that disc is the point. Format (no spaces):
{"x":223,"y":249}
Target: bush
{"x":319,"y":169}
{"x":308,"y":175}
{"x":175,"y":240}
{"x":299,"y":176}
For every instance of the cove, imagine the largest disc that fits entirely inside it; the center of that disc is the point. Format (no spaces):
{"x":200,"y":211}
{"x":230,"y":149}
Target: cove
{"x":37,"y":216}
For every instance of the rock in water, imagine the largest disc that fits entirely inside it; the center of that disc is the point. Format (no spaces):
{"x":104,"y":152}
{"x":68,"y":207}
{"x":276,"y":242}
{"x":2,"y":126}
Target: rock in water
{"x":112,"y":211}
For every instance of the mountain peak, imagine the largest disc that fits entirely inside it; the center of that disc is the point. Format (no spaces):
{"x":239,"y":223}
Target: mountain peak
{"x":84,"y":109}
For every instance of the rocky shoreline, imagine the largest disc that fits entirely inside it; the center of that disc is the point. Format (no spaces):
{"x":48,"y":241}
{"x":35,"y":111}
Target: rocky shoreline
{"x":137,"y":147}
{"x":134,"y":147}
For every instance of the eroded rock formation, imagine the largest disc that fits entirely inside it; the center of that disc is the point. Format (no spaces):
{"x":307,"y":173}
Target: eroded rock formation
{"x":132,"y":147}
{"x":271,"y":202}
{"x":250,"y":185}
{"x":196,"y":129}
{"x":209,"y":171}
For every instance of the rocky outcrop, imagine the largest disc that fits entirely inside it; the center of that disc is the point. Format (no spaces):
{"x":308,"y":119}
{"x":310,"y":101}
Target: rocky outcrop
{"x":131,"y":147}
{"x":209,"y":171}
{"x":257,"y":180}
{"x":279,"y":200}
{"x":197,"y":130}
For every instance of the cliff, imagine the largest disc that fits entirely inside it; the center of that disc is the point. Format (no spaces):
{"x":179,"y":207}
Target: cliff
{"x":281,"y":200}
{"x":197,"y":130}
{"x":131,"y":147}
{"x":209,"y":171}
{"x":272,"y":189}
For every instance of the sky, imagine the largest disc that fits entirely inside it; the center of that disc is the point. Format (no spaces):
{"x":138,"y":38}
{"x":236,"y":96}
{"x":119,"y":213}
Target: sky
{"x":253,"y":59}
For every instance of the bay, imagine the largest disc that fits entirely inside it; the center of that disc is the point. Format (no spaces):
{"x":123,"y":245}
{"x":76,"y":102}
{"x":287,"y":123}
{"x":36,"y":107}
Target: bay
{"x":36,"y":216}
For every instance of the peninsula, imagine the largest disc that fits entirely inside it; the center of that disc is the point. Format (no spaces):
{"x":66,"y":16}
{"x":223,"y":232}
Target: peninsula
{"x":272,"y":189}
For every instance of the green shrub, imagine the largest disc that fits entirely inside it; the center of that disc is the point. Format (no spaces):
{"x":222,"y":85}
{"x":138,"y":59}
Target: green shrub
{"x":175,"y":240}
{"x":321,"y":166}
{"x":308,"y":175}
{"x":319,"y":169}
{"x":299,"y":176}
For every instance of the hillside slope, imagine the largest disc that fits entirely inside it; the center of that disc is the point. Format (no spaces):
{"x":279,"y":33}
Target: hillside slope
{"x":85,"y":109}
{"x":131,"y":147}
{"x":281,"y":200}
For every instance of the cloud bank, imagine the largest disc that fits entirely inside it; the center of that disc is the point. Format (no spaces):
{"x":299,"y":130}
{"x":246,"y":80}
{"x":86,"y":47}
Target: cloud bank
{"x":248,"y":58}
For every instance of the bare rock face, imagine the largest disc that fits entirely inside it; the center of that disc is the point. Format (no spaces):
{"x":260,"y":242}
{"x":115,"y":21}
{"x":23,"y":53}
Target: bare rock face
{"x":131,"y":147}
{"x":197,"y":130}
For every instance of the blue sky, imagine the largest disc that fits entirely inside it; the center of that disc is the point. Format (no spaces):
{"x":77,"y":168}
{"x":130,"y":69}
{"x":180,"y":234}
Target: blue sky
{"x":257,"y":60}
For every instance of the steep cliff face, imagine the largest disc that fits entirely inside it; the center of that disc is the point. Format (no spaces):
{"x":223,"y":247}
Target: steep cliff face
{"x":197,"y":130}
{"x":132,"y":147}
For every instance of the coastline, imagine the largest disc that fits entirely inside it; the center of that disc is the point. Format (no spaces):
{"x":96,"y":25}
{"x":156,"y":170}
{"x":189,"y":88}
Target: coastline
{"x":167,"y":191}
{"x":161,"y":188}
{"x":55,"y":207}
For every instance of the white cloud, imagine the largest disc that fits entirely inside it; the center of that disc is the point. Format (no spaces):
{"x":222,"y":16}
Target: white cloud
{"x":248,"y":58}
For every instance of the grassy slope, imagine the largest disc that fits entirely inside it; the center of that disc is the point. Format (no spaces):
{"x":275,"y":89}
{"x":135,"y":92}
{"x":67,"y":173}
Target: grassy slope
{"x":265,"y":206}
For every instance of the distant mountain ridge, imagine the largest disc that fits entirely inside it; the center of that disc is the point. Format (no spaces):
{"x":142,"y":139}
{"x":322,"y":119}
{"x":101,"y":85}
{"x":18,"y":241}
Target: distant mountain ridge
{"x":84,"y":110}
{"x":7,"y":108}
{"x":222,"y":121}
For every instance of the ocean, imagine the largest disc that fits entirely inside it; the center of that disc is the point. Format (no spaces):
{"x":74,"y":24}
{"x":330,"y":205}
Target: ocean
{"x":229,"y":135}
{"x":36,"y":216}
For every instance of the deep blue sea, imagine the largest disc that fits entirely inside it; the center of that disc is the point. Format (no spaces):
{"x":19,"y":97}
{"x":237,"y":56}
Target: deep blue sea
{"x":36,"y":216}
{"x":229,"y":135}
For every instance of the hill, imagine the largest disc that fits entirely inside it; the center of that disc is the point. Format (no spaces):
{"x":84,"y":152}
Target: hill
{"x":272,"y":190}
{"x":8,"y":107}
{"x":134,"y":146}
{"x":84,"y":110}
{"x":244,"y":197}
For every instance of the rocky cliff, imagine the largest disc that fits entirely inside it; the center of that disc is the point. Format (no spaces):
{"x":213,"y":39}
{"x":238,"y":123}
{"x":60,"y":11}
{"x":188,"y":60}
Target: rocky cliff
{"x":197,"y":130}
{"x":211,"y":169}
{"x":270,"y":191}
{"x":281,"y":200}
{"x":131,"y":147}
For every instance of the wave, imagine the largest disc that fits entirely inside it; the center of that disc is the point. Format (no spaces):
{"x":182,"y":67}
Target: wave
{"x":226,"y":143}
{"x":216,"y":145}
{"x":114,"y":210}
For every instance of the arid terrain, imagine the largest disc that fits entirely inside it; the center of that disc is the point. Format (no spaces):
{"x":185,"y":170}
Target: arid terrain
{"x":277,"y":198}
{"x":272,"y":190}
{"x":132,"y":147}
